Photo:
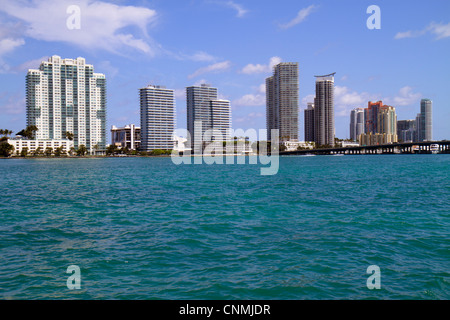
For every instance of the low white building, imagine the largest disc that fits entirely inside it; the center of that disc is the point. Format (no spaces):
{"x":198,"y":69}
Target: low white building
{"x":293,"y":145}
{"x":33,"y":145}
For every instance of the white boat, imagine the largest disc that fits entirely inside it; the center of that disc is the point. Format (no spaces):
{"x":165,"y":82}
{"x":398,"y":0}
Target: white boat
{"x":434,"y":148}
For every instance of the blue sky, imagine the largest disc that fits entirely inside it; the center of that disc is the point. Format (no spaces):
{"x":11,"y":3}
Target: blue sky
{"x":232,"y":45}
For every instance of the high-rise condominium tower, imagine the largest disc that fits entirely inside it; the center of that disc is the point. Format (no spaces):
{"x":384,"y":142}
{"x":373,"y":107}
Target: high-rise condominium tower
{"x":65,"y":95}
{"x":203,"y":105}
{"x":324,"y":110}
{"x":309,"y":122}
{"x":425,"y":132}
{"x":282,"y":101}
{"x":357,"y":123}
{"x":381,"y":124}
{"x":157,"y":118}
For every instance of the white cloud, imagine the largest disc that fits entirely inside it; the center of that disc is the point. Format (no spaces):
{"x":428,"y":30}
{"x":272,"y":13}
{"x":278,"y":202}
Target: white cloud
{"x":8,"y":44}
{"x":202,"y":56}
{"x":262,"y":88}
{"x":102,"y":24}
{"x":216,"y":67}
{"x":31,"y":64}
{"x":261,"y":68}
{"x":305,"y":100}
{"x":346,"y":99}
{"x":250,"y":100}
{"x":240,"y":11}
{"x":439,"y":29}
{"x":200,"y":82}
{"x":107,"y":68}
{"x":180,"y":94}
{"x":14,"y":104}
{"x":405,"y":97}
{"x":301,"y":16}
{"x":250,"y":117}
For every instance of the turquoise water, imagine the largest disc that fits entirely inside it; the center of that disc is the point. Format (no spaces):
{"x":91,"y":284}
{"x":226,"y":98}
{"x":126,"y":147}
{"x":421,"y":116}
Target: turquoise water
{"x":144,"y":228}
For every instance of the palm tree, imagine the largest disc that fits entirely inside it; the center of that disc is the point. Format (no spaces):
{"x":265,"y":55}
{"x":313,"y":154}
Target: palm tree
{"x":69,"y":135}
{"x":5,"y":133}
{"x":28,"y":132}
{"x":81,"y":150}
{"x":48,"y":151}
{"x":37,"y":152}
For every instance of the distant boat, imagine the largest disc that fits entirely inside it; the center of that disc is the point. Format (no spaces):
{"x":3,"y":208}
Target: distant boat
{"x":434,"y":148}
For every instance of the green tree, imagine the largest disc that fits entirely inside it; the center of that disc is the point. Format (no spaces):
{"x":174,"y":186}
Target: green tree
{"x":69,"y":135}
{"x":111,"y":150}
{"x":24,"y":152}
{"x":4,"y":134}
{"x":81,"y":150}
{"x":48,"y":151}
{"x":6,"y":149}
{"x":37,"y":152}
{"x":59,"y":151}
{"x":28,"y":132}
{"x":72,"y":151}
{"x":157,"y":152}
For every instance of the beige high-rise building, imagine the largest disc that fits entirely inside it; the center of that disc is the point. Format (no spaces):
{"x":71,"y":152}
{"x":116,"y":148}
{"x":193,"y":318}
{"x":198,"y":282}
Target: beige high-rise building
{"x":324,"y":110}
{"x":282,"y":101}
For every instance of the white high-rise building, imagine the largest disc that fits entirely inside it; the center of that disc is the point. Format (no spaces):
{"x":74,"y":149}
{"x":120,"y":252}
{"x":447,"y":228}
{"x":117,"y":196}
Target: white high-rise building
{"x":65,"y":95}
{"x":157,"y":118}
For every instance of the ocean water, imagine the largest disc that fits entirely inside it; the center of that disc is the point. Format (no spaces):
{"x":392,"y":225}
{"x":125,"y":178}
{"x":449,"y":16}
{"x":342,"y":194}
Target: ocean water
{"x":144,"y":228}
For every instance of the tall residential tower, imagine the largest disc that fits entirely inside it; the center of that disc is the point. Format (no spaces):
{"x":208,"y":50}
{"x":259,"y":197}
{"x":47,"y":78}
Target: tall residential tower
{"x":157,"y":118}
{"x":282,"y":101}
{"x":425,"y":128}
{"x":65,"y":95}
{"x":324,"y":110}
{"x":213,"y":113}
{"x":357,"y":123}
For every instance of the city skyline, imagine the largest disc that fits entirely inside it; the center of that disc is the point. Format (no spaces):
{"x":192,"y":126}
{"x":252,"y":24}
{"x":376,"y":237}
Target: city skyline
{"x":154,"y":49}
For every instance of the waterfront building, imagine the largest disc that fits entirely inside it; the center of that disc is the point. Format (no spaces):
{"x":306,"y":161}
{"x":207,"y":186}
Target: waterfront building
{"x":40,"y":146}
{"x":324,"y":129}
{"x":425,"y":132}
{"x":371,"y":116}
{"x":309,"y":122}
{"x":157,"y":118}
{"x":282,"y":101}
{"x":381,"y":124}
{"x":357,"y":123}
{"x":294,"y":145}
{"x":65,"y":95}
{"x":373,"y":139}
{"x":204,"y":106}
{"x":406,"y":130}
{"x":128,"y":136}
